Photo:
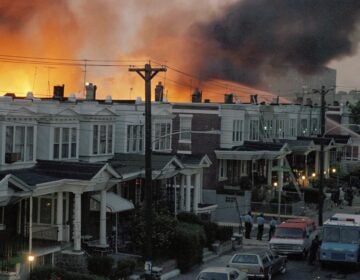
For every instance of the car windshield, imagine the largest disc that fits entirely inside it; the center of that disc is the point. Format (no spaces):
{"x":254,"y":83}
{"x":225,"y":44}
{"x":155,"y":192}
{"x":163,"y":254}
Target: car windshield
{"x":289,"y":233}
{"x":350,"y":235}
{"x":212,"y":276}
{"x":331,"y":234}
{"x":247,"y":259}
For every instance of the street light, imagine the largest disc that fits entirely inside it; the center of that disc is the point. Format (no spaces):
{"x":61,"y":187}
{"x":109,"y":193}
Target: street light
{"x":31,"y":259}
{"x":303,"y":180}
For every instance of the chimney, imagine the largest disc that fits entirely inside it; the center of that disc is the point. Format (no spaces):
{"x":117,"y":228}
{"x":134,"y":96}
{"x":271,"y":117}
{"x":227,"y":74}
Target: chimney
{"x":196,"y":96}
{"x":159,"y":92}
{"x":253,"y":99}
{"x":90,"y":91}
{"x":58,"y":92}
{"x":228,"y":98}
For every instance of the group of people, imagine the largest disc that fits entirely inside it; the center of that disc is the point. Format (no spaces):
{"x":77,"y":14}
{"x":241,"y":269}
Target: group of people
{"x":260,"y":221}
{"x":341,"y":194}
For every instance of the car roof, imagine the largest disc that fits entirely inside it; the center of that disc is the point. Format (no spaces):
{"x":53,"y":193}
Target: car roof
{"x":292,"y":225}
{"x":219,"y":269}
{"x":255,"y":251}
{"x":300,"y":220}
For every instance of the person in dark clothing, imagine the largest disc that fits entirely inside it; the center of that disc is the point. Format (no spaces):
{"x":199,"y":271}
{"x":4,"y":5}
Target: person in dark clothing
{"x":350,"y":196}
{"x":315,"y":245}
{"x":260,"y":222}
{"x":273,"y":223}
{"x":248,"y":224}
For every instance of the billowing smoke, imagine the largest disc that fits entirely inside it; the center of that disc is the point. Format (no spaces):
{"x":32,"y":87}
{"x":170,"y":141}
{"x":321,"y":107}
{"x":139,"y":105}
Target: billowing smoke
{"x":256,"y":37}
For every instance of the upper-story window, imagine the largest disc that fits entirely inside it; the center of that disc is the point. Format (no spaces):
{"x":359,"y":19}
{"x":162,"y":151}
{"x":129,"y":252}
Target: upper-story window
{"x":185,"y":128}
{"x":303,"y":127}
{"x":280,"y":128}
{"x":237,"y":130}
{"x":162,"y":139}
{"x":135,"y":138}
{"x":254,"y":130}
{"x":293,"y":127}
{"x":268,"y":128}
{"x":65,"y":143}
{"x":102,"y":139}
{"x":19,"y":143}
{"x":314,"y":126}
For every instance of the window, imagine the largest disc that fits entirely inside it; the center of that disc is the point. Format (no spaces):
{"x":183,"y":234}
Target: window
{"x":237,"y":130}
{"x":268,"y":128}
{"x":185,"y":128}
{"x":19,"y":143}
{"x":303,"y":127}
{"x":162,"y":139}
{"x":222,"y":169}
{"x":65,"y":142}
{"x":314,"y":126}
{"x":293,"y":127}
{"x":102,"y":139}
{"x":135,"y":139}
{"x":254,"y":130}
{"x":44,"y":209}
{"x":280,"y":128}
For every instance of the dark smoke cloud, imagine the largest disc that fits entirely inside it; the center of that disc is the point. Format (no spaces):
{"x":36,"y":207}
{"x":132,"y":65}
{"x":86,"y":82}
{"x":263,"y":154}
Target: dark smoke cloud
{"x":254,"y":37}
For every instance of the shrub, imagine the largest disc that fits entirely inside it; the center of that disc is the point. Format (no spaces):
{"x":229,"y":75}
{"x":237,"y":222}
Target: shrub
{"x":311,"y":195}
{"x":210,"y":230}
{"x":50,"y":273}
{"x":188,"y":245}
{"x":189,"y":218}
{"x":224,"y":233}
{"x":124,"y":268}
{"x":100,"y":265}
{"x":163,"y":233}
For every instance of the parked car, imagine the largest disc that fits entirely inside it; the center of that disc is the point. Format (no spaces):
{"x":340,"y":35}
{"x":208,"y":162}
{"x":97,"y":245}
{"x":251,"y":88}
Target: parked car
{"x":259,"y":263}
{"x":221,"y":273}
{"x":293,"y":237}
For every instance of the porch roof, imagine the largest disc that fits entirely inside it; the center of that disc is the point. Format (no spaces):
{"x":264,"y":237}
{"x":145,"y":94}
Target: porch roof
{"x":115,"y":203}
{"x":300,"y":146}
{"x":201,"y":160}
{"x":254,"y":151}
{"x":48,"y":171}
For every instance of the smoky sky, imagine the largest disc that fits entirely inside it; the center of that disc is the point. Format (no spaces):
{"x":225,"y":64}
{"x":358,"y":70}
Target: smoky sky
{"x":254,"y":37}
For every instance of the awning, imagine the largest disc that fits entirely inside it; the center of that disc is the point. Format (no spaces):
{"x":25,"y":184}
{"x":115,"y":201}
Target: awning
{"x":114,"y":202}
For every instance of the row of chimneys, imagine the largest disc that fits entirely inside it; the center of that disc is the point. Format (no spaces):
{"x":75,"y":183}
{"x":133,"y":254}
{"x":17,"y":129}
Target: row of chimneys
{"x":90,"y":88}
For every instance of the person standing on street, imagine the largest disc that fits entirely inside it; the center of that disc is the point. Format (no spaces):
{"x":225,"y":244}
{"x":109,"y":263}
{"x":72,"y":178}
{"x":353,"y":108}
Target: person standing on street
{"x":273,"y":223}
{"x":315,"y":245}
{"x":260,"y":223}
{"x":248,"y":224}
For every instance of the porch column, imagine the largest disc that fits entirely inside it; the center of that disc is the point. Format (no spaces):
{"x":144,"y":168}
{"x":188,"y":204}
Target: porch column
{"x":77,"y":222}
{"x":196,"y":193}
{"x":317,"y":162}
{"x":326,"y":163}
{"x":188,"y":193}
{"x":102,"y":234}
{"x":280,"y":182}
{"x":269,"y":172}
{"x":59,"y":215}
{"x":182,"y":195}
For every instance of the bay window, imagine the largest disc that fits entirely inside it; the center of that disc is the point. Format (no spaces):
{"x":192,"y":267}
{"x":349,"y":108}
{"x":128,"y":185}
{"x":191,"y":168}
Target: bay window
{"x":237,"y":130}
{"x":135,"y":139}
{"x":162,"y":139}
{"x":254,"y":130}
{"x":65,"y":143}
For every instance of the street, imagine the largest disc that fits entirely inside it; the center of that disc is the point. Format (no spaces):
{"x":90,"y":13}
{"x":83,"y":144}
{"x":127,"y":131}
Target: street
{"x":296,"y":268}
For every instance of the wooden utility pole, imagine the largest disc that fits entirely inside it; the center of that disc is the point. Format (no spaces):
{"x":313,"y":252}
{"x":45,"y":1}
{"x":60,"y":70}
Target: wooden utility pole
{"x":323,"y":92}
{"x":147,"y":73}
